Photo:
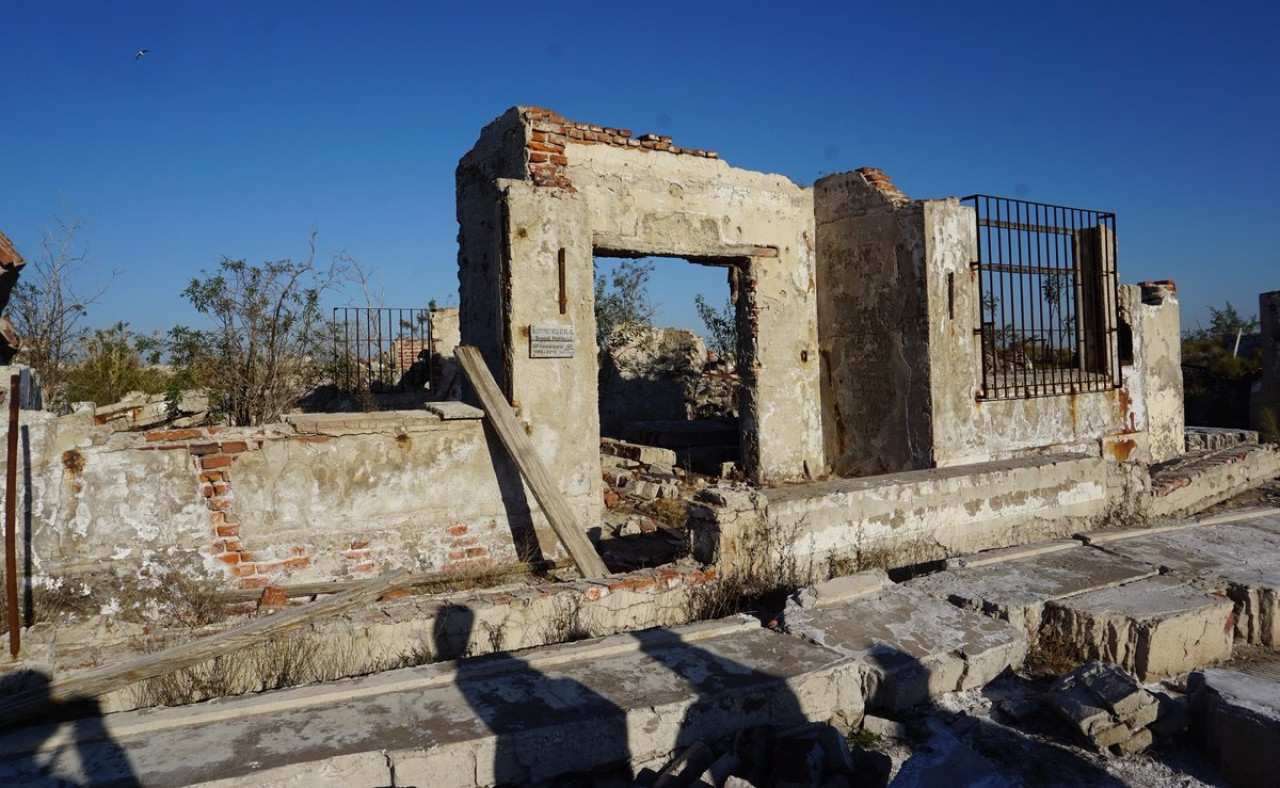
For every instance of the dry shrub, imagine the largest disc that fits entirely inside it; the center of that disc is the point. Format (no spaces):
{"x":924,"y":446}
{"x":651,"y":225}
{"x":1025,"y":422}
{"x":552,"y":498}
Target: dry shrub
{"x":765,"y":573}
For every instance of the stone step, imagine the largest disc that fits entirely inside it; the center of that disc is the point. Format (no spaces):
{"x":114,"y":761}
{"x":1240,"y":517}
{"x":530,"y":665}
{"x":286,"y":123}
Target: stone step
{"x":913,"y":647}
{"x":1018,"y":587}
{"x":1155,"y":627}
{"x":1242,"y":556}
{"x":522,"y":718}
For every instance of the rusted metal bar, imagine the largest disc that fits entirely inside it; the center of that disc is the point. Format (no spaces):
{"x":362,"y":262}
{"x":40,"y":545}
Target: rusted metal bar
{"x":10,"y":519}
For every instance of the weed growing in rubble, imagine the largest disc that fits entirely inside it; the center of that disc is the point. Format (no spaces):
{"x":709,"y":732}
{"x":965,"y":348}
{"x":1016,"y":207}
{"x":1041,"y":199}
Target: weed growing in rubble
{"x":564,"y":624}
{"x":1269,"y":425}
{"x":1052,"y":655}
{"x":761,"y":576}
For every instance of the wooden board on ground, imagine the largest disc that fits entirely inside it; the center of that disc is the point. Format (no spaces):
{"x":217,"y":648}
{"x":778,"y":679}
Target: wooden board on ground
{"x":518,"y":445}
{"x":100,"y":681}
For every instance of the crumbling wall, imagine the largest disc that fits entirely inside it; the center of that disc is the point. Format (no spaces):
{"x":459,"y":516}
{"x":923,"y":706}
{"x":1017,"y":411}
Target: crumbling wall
{"x":325,"y":497}
{"x":899,"y":306}
{"x":873,"y":310}
{"x":539,"y":195}
{"x":651,"y":375}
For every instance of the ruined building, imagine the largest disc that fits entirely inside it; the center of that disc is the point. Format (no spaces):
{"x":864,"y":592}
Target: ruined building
{"x":920,"y":378}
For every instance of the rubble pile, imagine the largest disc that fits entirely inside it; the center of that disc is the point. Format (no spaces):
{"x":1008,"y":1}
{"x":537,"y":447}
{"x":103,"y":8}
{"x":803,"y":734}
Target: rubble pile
{"x":1108,"y":706}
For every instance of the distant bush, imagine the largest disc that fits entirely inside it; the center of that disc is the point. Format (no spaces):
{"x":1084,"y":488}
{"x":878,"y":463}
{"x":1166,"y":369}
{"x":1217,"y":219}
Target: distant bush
{"x":111,"y":365}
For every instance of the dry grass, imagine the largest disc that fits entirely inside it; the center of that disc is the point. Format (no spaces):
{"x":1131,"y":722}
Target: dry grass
{"x":290,"y":661}
{"x":765,"y":572}
{"x":1052,"y":655}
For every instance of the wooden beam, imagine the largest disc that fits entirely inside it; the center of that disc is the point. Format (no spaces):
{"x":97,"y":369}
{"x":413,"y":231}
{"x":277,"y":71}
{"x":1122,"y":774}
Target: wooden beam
{"x":100,"y":681}
{"x":518,"y":445}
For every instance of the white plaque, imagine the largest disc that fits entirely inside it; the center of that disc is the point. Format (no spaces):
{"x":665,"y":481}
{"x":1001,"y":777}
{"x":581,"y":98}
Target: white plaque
{"x":550,"y":341}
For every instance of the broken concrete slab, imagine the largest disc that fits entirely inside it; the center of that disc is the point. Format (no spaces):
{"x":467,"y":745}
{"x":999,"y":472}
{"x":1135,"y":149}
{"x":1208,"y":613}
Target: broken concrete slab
{"x":1017,"y":589}
{"x":1241,"y":715}
{"x":1243,"y":556}
{"x":635,"y":698}
{"x":1106,"y":705}
{"x":648,"y":455}
{"x":1154,"y":627}
{"x":914,"y":647}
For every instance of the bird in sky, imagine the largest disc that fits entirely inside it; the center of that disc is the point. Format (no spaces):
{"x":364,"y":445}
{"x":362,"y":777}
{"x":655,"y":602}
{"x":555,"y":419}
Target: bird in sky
{"x":141,"y":52}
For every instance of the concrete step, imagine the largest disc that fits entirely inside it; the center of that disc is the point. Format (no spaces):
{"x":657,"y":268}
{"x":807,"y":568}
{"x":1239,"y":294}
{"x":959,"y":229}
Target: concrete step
{"x":1242,"y":556}
{"x":633,"y":700}
{"x":913,"y":647}
{"x":1016,"y":584}
{"x":1241,"y":714}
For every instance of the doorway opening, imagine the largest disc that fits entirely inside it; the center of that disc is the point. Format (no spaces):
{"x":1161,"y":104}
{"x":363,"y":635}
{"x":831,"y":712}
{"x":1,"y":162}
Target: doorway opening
{"x":668,"y":361}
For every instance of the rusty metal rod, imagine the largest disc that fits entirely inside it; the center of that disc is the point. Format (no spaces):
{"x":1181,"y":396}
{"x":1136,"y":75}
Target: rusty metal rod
{"x":10,"y":520}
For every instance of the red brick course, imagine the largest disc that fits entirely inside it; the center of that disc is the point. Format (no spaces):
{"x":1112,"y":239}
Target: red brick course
{"x":550,"y":132}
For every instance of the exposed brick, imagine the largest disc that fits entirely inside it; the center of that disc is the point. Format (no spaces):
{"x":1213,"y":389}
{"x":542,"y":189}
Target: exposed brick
{"x":221,"y":504}
{"x":232,"y":447}
{"x":315,"y":438}
{"x":216,"y":461}
{"x":297,"y":562}
{"x":456,"y":555}
{"x":396,"y":594}
{"x":221,"y":488}
{"x":173,"y":435}
{"x":457,"y":530}
{"x":229,"y":558}
{"x":255,"y":582}
{"x":273,"y":596}
{"x":246,"y":569}
{"x":357,"y":555}
{"x":476,"y":552}
{"x":227,"y":530}
{"x":212,"y":476}
{"x":595,"y":592}
{"x":206,"y":490}
{"x":201,"y":449}
{"x":367,"y":567}
{"x":537,"y":158}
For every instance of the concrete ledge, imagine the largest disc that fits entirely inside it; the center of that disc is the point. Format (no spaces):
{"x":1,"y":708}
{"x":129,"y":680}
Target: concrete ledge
{"x":912,"y":647}
{"x":1155,"y":627}
{"x":514,"y":718}
{"x":1241,"y":716}
{"x":917,"y":516}
{"x":1018,"y":588}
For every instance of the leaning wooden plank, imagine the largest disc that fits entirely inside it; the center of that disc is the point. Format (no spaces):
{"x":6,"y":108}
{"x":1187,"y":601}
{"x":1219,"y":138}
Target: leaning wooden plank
{"x":518,"y":445}
{"x":99,"y":681}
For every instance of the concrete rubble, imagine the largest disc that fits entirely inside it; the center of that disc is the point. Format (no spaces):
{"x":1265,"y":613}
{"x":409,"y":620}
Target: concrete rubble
{"x":1107,"y":706}
{"x":681,"y":705}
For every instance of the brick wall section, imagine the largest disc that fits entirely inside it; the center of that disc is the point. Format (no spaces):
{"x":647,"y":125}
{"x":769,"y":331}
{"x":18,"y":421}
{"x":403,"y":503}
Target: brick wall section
{"x":544,"y":151}
{"x":878,"y":180}
{"x":213,"y":453}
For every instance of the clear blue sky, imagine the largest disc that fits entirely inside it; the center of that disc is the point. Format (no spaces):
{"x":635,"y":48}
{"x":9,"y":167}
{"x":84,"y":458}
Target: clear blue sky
{"x":248,"y":123}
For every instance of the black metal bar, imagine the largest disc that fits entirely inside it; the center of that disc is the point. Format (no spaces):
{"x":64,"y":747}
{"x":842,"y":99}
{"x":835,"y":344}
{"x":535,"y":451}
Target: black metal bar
{"x":1044,"y":328}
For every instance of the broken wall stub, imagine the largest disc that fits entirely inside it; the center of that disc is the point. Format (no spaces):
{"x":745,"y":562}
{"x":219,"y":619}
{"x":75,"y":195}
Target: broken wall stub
{"x":899,"y":302}
{"x":539,"y":196}
{"x":325,"y":496}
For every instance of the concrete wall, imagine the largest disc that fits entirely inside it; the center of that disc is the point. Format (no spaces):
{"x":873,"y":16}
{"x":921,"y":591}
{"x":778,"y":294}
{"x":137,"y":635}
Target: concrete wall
{"x":905,"y":518}
{"x":1264,"y":403}
{"x":538,"y":190}
{"x":899,"y":305}
{"x":326,"y":497}
{"x":872,"y":306}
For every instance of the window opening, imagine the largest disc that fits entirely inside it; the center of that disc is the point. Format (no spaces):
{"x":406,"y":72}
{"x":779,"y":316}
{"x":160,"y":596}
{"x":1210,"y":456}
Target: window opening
{"x":1048,"y":295}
